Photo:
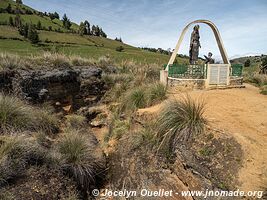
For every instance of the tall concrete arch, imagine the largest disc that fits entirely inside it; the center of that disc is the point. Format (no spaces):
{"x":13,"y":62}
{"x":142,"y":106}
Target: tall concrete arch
{"x":217,"y":37}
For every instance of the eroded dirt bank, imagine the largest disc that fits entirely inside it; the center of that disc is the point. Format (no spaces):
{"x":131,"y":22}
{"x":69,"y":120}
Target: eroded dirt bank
{"x":242,"y":113}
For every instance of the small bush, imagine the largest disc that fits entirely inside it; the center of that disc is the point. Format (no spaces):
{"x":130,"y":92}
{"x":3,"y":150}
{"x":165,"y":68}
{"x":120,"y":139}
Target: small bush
{"x":156,"y":93}
{"x":119,"y":48}
{"x":179,"y":121}
{"x":76,"y":155}
{"x":16,"y":115}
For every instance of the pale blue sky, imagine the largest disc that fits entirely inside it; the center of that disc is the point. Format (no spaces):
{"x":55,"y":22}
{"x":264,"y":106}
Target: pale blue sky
{"x":158,"y":23}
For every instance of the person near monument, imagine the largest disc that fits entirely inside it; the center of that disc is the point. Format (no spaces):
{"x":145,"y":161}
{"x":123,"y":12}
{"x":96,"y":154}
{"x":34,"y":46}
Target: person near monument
{"x":194,"y":45}
{"x":209,"y":59}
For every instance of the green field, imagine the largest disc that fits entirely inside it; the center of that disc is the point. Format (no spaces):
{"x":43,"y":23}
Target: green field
{"x":67,"y":43}
{"x":74,"y":44}
{"x":32,"y":19}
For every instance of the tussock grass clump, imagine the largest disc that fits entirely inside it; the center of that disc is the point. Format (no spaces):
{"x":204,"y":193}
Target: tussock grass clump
{"x":143,"y":96}
{"x":16,"y":153}
{"x":79,"y":61}
{"x":8,"y":61}
{"x":134,"y":99}
{"x":257,"y":79}
{"x":179,"y":121}
{"x":104,"y":61}
{"x":77,"y":158}
{"x":263,"y":90}
{"x":56,"y":60}
{"x":18,"y":116}
{"x":75,"y":121}
{"x":156,"y":93}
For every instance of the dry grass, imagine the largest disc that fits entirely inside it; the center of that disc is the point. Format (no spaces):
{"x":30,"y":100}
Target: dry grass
{"x":75,"y":121}
{"x":16,"y":153}
{"x":18,"y":116}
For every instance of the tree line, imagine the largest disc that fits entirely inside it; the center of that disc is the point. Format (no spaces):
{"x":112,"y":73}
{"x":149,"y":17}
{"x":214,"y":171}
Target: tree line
{"x":84,"y":29}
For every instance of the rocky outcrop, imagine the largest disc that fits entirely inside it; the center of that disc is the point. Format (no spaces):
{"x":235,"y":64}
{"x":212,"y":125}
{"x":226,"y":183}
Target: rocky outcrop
{"x":69,"y":86}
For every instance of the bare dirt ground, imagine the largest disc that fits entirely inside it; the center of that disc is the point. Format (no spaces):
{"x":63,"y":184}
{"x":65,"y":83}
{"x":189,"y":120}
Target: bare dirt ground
{"x":243,"y":114}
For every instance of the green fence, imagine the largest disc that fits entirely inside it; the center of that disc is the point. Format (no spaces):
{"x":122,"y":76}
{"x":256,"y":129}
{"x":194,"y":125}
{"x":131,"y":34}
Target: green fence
{"x":187,"y":71}
{"x":237,"y":69}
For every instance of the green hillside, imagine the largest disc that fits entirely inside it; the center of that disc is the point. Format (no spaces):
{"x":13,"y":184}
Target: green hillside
{"x":66,"y":41}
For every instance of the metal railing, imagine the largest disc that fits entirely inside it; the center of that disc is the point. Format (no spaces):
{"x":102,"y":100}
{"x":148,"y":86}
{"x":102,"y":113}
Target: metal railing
{"x":187,"y":71}
{"x":236,"y":70}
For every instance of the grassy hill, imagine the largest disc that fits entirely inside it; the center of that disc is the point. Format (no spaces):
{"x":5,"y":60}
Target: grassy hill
{"x":66,"y":42}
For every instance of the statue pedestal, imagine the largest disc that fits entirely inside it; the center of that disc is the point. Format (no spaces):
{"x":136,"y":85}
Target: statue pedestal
{"x":164,"y":77}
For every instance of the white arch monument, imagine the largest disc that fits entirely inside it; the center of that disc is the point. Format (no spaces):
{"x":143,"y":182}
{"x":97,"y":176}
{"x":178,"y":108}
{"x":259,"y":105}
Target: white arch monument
{"x":217,"y":74}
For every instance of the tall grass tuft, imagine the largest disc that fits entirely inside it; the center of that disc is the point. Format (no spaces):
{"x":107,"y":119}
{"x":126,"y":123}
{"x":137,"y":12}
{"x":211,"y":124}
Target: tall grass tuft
{"x":156,"y":93}
{"x":16,"y":153}
{"x":179,"y":121}
{"x":18,"y":116}
{"x":134,"y":99}
{"x":8,"y":61}
{"x":76,"y":154}
{"x":75,"y":121}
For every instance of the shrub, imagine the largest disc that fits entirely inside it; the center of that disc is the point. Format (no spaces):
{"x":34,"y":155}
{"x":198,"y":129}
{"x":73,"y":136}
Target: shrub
{"x":179,"y":121}
{"x":156,"y":93}
{"x":16,"y":115}
{"x":119,"y":48}
{"x":77,"y":158}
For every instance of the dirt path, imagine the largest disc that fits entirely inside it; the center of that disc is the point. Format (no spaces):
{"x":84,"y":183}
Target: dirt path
{"x":242,"y":113}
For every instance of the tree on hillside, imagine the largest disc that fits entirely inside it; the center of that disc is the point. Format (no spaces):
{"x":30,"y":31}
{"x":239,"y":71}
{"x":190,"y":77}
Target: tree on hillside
{"x":11,"y":21}
{"x":93,"y":30}
{"x":53,"y":16}
{"x":82,"y":29}
{"x":247,"y":63}
{"x":19,"y":1}
{"x":39,"y":25}
{"x":102,"y":33}
{"x":23,"y":30}
{"x":118,"y":39}
{"x":18,"y":22}
{"x":9,"y":8}
{"x":33,"y":35}
{"x":87,"y":26}
{"x":66,"y":22}
{"x":56,"y":15}
{"x":97,"y":31}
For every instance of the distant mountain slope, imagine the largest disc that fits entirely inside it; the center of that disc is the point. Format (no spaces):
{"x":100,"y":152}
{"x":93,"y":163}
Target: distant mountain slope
{"x":32,"y":18}
{"x":66,"y":41}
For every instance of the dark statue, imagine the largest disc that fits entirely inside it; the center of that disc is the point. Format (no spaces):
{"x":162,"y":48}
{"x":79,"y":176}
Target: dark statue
{"x":209,"y":59}
{"x":194,"y":45}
